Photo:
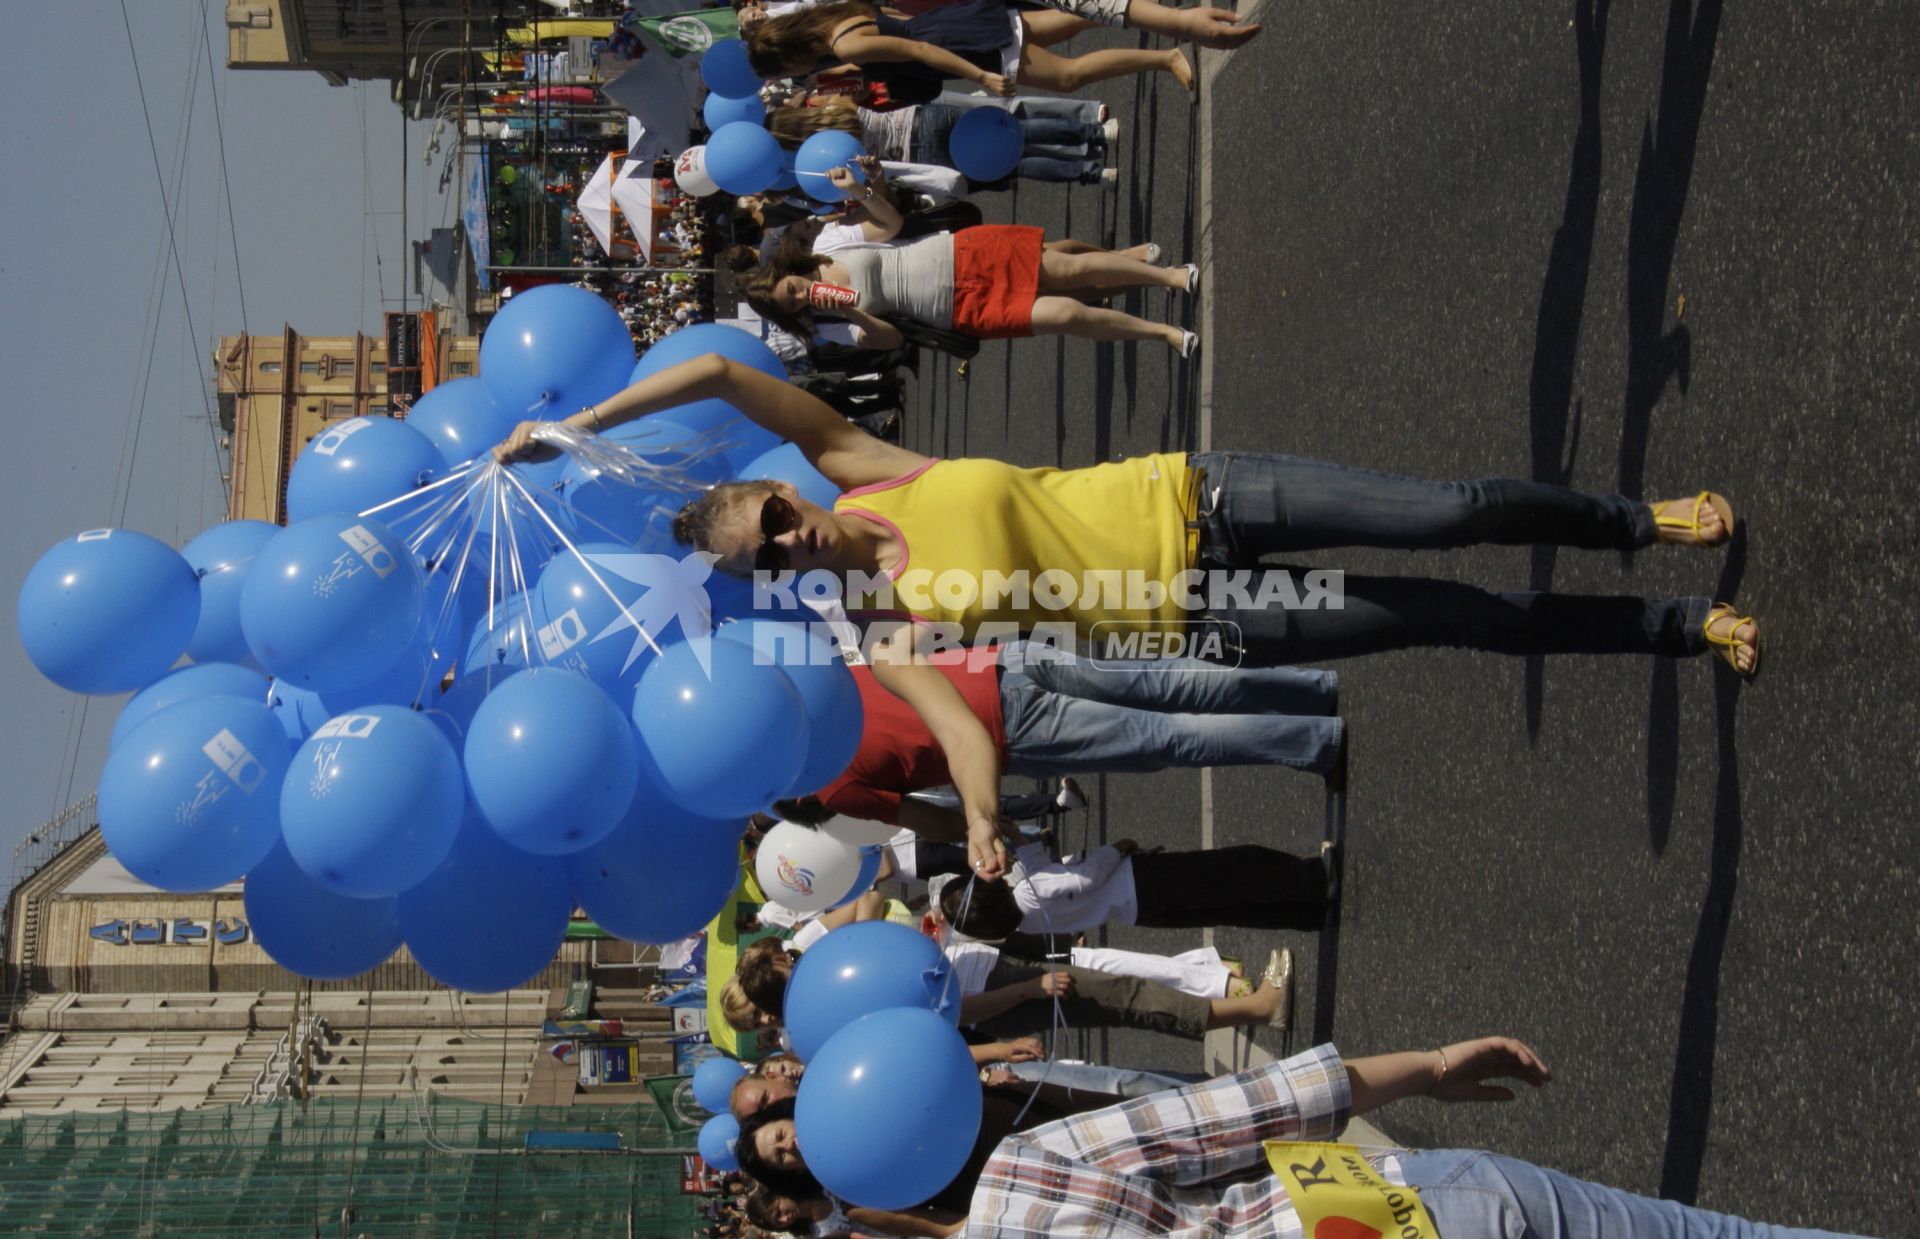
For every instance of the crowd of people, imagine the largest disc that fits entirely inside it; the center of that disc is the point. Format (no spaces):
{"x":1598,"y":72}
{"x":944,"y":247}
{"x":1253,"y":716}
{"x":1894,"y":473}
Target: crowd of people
{"x":1070,"y":1148}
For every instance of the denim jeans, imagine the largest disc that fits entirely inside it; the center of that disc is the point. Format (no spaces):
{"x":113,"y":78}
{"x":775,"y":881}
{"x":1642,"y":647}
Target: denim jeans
{"x":1255,"y":505}
{"x":1055,"y":148}
{"x":1486,"y":1196}
{"x":1064,"y":715}
{"x":1120,"y":1081}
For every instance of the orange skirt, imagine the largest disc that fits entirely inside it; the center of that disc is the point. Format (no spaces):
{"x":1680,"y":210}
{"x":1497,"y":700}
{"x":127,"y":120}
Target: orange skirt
{"x":996,"y":276}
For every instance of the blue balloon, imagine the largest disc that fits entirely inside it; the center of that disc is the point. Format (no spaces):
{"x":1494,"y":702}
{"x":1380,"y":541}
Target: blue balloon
{"x":889,"y":1108}
{"x":108,"y":611}
{"x":721,"y":735}
{"x":373,"y":802}
{"x":553,"y":350}
{"x":986,"y":144}
{"x":502,"y":638}
{"x":608,"y":508}
{"x":700,"y":339}
{"x":819,"y":155}
{"x":309,"y":930}
{"x":360,"y":464}
{"x":864,"y":879}
{"x":662,"y":874}
{"x":812,"y":661}
{"x":189,"y":800}
{"x":743,"y":158}
{"x":720,"y":110}
{"x":331,"y":602}
{"x":713,"y":1082}
{"x":551,"y":762}
{"x":186,"y":684}
{"x":788,"y":178}
{"x":787,"y":463}
{"x":866,"y":967}
{"x":461,"y":418}
{"x":726,"y":69}
{"x":452,"y":711}
{"x":524,"y":908}
{"x":578,"y":606}
{"x":221,"y":557}
{"x":717,"y":1137}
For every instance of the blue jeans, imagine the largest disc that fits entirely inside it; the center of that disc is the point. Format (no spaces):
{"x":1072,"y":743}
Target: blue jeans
{"x":1486,"y":1196}
{"x":1119,"y":1081}
{"x":1063,"y":715}
{"x":1254,"y":505}
{"x":1055,"y":147}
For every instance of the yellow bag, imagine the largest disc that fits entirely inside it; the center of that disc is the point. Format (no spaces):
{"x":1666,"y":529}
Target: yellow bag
{"x":1338,"y":1195}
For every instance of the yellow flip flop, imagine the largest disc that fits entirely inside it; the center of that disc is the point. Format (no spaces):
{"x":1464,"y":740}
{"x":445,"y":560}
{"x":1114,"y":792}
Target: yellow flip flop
{"x":1691,"y":521}
{"x":1730,"y":644}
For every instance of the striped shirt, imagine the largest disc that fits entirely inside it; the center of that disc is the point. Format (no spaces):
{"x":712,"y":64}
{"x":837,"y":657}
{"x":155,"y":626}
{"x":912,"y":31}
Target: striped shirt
{"x":1155,"y":1165}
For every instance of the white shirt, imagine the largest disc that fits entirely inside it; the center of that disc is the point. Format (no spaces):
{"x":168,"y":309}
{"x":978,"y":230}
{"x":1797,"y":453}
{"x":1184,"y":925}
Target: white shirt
{"x":971,"y":962}
{"x":1067,"y":896}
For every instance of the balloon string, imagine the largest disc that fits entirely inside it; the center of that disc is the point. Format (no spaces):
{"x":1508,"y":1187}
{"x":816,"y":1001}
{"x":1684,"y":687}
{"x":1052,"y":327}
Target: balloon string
{"x":455,"y":475}
{"x":448,"y":606}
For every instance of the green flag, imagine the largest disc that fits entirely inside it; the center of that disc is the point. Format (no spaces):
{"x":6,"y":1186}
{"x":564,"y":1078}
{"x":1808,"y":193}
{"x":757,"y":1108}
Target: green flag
{"x":686,"y":34}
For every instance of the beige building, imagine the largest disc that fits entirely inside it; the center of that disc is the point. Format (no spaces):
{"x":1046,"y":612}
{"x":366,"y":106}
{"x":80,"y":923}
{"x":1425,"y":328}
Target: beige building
{"x":356,"y":40}
{"x":278,"y":392}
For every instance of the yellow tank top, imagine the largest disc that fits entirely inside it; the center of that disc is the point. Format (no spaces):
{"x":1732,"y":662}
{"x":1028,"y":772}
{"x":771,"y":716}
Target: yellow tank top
{"x":990,"y":543}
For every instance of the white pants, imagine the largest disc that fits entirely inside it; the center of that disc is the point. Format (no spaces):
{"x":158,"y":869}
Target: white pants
{"x":1198,"y":972}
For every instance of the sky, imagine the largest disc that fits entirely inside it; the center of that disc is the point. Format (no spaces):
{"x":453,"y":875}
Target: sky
{"x":104,"y":336}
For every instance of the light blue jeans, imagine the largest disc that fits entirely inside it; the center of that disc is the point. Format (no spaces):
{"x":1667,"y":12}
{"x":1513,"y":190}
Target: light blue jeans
{"x":1119,"y":1081}
{"x":1065,"y":715}
{"x":1475,"y":1195}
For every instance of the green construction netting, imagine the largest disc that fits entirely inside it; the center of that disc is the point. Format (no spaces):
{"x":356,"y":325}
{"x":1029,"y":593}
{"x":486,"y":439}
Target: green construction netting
{"x":431,"y":1166}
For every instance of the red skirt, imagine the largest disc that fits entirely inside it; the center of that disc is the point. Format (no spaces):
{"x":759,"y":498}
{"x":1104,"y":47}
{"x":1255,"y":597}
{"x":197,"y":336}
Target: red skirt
{"x":996,"y":276}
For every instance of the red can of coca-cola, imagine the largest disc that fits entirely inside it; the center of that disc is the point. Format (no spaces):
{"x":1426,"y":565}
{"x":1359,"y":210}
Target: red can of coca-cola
{"x":832,"y":296}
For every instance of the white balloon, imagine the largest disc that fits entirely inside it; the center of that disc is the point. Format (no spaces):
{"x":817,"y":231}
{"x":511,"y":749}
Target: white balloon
{"x":690,"y":172}
{"x":858,"y":831}
{"x":805,"y":870}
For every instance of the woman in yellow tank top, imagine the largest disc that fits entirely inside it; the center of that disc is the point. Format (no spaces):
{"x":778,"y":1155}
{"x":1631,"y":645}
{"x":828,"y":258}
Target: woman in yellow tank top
{"x":1145,"y":550}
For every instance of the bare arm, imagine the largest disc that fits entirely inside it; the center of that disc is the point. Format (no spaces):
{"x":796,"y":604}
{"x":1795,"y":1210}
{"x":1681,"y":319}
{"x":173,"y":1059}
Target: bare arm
{"x":874,"y":333}
{"x":1456,"y":1072}
{"x":867,"y":49}
{"x":989,"y":1003}
{"x":847,"y":455}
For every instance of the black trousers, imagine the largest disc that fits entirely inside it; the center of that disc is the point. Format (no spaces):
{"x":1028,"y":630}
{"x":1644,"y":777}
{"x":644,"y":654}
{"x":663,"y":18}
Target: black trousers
{"x":1246,"y":885}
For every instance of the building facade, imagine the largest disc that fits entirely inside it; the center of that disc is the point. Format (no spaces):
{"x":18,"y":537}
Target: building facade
{"x":358,"y":40}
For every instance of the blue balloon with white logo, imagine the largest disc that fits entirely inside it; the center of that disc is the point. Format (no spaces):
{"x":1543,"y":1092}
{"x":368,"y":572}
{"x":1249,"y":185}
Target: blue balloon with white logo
{"x":716,"y":1142}
{"x":727,"y":70}
{"x":221,"y":557}
{"x":524,"y":919}
{"x":199,"y":680}
{"x":461,"y":418}
{"x":787,"y":463}
{"x":721,"y":110}
{"x":108,"y":611}
{"x":360,"y":464}
{"x":309,"y":930}
{"x":190,"y":798}
{"x":600,"y":611}
{"x":553,"y":350}
{"x":811,"y":660}
{"x":661,"y":874}
{"x":331,"y":602}
{"x":822,"y":153}
{"x":721,"y":733}
{"x":869,"y":966}
{"x":551,"y":762}
{"x":373,"y":802}
{"x":743,"y":158}
{"x":986,"y":144}
{"x":713,"y":1082}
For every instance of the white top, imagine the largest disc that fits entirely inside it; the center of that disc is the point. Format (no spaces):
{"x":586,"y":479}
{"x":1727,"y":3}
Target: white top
{"x":1070,"y":895}
{"x":806,"y":926}
{"x":971,"y":962}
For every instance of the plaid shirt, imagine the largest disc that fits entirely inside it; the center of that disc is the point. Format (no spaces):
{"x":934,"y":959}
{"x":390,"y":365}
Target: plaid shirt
{"x":1155,"y":1166}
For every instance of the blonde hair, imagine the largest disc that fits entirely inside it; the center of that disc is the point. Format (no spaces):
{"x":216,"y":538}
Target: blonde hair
{"x":738,"y":1009}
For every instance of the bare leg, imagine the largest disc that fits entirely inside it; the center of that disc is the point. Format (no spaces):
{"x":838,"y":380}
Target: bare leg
{"x":1048,"y":27}
{"x":1071,"y":272}
{"x":1207,"y":27}
{"x":1064,"y":316}
{"x":1042,"y":68}
{"x":1067,"y":245}
{"x":1255,"y":1008}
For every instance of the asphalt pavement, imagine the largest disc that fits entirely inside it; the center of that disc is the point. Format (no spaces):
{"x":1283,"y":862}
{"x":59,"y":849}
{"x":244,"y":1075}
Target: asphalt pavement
{"x":1640,"y":248}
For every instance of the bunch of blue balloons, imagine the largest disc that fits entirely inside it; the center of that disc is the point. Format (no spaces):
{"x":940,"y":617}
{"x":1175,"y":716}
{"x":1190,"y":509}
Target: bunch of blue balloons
{"x":446,"y":686}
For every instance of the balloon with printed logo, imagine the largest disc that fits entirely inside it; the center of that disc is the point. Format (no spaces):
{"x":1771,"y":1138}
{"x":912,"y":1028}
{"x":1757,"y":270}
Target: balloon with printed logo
{"x":199,"y":680}
{"x":822,"y":153}
{"x":862,"y":881}
{"x":308,"y":929}
{"x":743,"y":158}
{"x":526,"y":908}
{"x":718,"y":1136}
{"x":551,"y":762}
{"x":373,"y":802}
{"x":787,"y":463}
{"x":803,"y":869}
{"x":721,"y":734}
{"x":720,"y":110}
{"x":553,"y":350}
{"x":601,"y":612}
{"x":189,"y":799}
{"x":360,"y":464}
{"x":331,"y":601}
{"x":866,"y":967}
{"x":727,"y":70}
{"x":889,"y":1108}
{"x":107,"y":611}
{"x":690,"y":172}
{"x":221,"y":557}
{"x":811,"y":660}
{"x":661,"y":874}
{"x":713,"y":1082}
{"x":461,"y":418}
{"x":986,"y":144}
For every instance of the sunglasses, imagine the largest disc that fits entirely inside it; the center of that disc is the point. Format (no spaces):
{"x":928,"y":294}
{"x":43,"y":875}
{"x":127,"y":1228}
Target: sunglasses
{"x":777,"y":517}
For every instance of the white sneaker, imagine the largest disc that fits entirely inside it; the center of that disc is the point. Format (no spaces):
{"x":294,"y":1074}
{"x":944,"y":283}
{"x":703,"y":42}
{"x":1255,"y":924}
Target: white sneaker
{"x":1153,"y":252}
{"x":1109,"y":131}
{"x":1070,"y":797}
{"x":1189,"y":345}
{"x":1109,"y":177}
{"x":1193,"y":278}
